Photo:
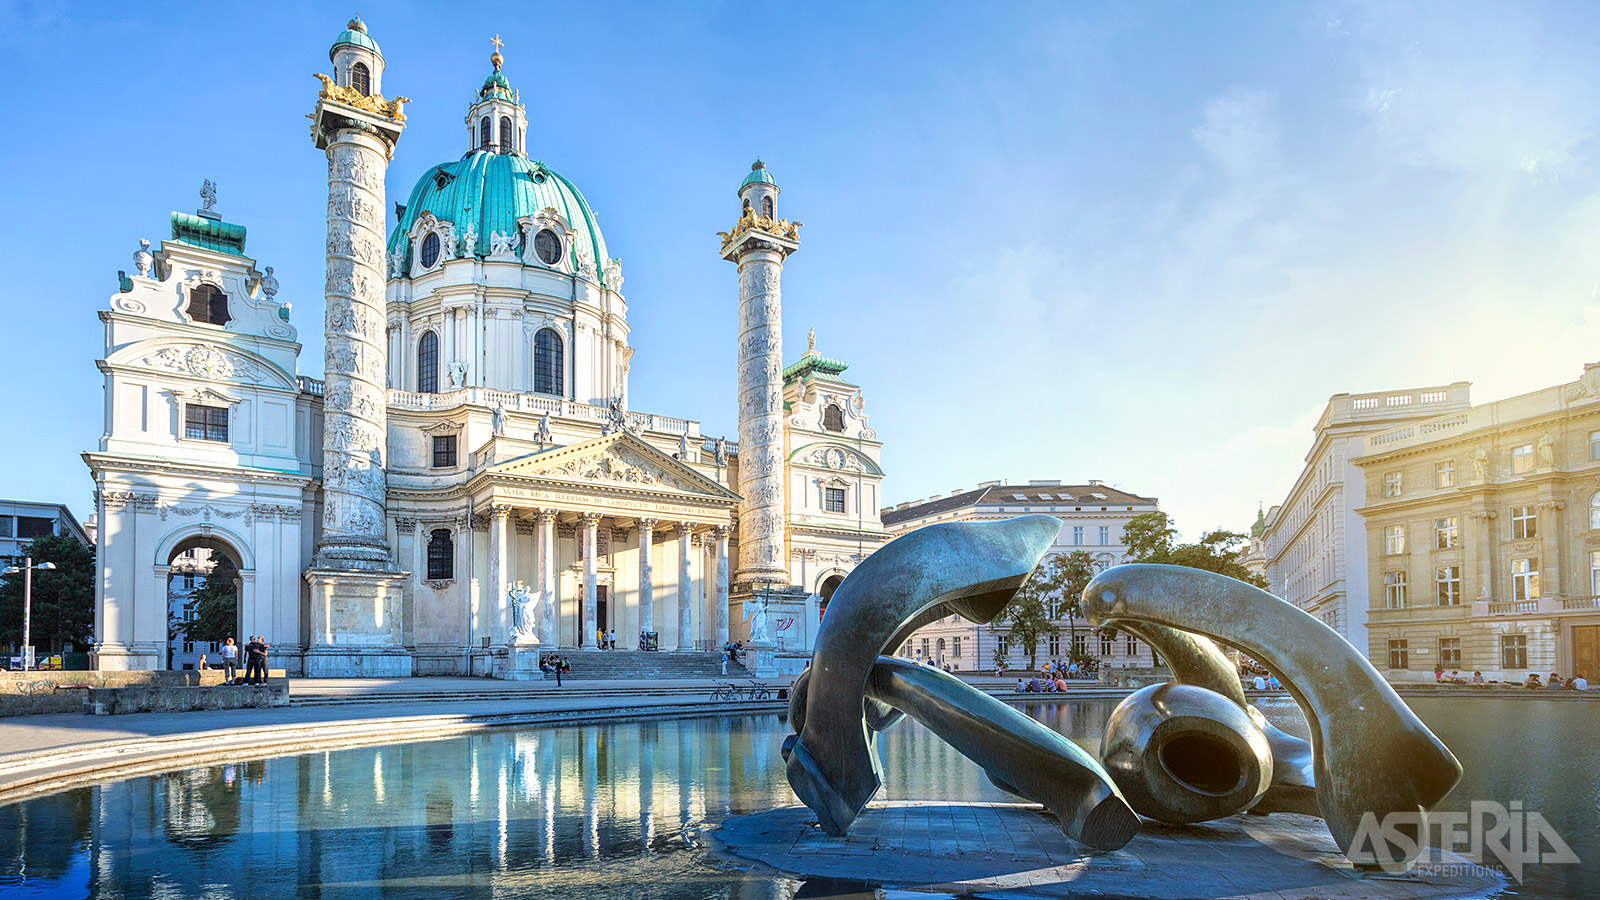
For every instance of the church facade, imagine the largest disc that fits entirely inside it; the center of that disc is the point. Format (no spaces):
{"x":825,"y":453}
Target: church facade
{"x":468,"y":485}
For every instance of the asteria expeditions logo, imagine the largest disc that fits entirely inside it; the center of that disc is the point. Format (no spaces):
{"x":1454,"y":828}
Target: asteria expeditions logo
{"x":1490,"y":834}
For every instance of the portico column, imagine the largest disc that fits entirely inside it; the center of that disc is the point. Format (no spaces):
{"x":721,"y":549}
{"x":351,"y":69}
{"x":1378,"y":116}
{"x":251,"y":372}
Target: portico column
{"x":685,"y":602}
{"x":720,"y":591}
{"x":590,"y":548}
{"x":647,"y":594}
{"x":1550,"y":566}
{"x":545,"y":574}
{"x":499,"y":518}
{"x":1485,"y":542}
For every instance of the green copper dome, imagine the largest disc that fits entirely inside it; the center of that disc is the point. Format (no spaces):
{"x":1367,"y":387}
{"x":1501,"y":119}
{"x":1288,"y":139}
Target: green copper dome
{"x":493,"y":190}
{"x":496,"y":85}
{"x":356,"y":36}
{"x":758,"y":174}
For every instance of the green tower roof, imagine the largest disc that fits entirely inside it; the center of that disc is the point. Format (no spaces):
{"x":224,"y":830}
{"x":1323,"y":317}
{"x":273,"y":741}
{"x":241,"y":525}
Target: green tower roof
{"x":355,"y":35}
{"x":212,"y":234}
{"x":758,"y":174}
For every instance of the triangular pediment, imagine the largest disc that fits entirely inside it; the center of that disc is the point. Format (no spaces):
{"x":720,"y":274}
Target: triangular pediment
{"x":616,"y":460}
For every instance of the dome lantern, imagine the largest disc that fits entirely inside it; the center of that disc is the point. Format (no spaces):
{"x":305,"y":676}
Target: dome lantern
{"x":496,"y":121}
{"x":357,"y":62}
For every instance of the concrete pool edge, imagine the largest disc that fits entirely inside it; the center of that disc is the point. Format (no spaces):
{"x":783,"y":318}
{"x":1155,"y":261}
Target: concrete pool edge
{"x":27,"y":775}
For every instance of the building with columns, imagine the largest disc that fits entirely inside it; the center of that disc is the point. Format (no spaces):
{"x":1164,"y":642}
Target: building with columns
{"x":468,"y":485}
{"x":1482,"y":538}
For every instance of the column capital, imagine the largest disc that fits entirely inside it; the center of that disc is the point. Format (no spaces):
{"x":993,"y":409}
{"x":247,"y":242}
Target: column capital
{"x":683,"y":528}
{"x":722,"y":531}
{"x":648,"y":523}
{"x":500,"y":511}
{"x":590,"y":519}
{"x":544,"y":516}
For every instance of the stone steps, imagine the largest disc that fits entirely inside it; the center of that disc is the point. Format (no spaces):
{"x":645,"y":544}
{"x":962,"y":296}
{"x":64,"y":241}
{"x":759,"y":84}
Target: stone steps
{"x":632,"y":665}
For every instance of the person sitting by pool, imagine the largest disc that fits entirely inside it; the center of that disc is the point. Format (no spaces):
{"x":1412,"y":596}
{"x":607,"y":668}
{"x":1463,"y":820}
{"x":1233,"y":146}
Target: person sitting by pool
{"x":1033,"y":685}
{"x":1533,"y":682}
{"x":1061,"y":683}
{"x":1577,"y":683}
{"x":1554,"y":684}
{"x":1259,"y":683}
{"x":1455,"y":677}
{"x":1477,"y":679}
{"x":1021,"y":685}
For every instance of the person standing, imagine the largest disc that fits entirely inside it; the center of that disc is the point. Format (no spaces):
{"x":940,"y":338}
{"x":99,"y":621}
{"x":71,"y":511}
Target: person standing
{"x":724,"y":662}
{"x":255,"y":661}
{"x":230,"y":661}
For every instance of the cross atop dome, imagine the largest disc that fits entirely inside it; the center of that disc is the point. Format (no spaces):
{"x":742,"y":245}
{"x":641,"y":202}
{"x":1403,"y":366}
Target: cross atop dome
{"x":495,"y":58}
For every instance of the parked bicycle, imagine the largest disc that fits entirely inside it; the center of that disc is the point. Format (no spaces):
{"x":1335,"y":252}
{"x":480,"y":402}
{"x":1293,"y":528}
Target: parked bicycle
{"x":726,"y":691}
{"x":758,"y":691}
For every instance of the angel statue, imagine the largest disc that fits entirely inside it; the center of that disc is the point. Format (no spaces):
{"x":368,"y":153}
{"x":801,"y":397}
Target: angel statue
{"x":525,"y":614}
{"x":208,"y":195}
{"x":756,"y":614}
{"x":469,"y":239}
{"x":543,"y":435}
{"x":458,"y":374}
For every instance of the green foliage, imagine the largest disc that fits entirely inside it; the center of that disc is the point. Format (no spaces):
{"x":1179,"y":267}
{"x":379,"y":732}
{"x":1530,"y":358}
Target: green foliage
{"x":1027,"y":617}
{"x":63,"y":599}
{"x":216,"y":607}
{"x":1151,"y":538}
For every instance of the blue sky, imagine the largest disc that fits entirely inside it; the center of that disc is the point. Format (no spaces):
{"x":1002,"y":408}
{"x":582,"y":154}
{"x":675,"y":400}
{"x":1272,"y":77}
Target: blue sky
{"x":1139,"y":243}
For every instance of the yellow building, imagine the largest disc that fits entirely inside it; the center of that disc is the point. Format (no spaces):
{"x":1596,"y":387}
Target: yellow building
{"x":1483,"y":538}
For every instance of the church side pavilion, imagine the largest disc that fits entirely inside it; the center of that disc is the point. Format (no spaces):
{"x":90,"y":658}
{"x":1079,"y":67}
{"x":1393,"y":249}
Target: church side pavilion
{"x":469,"y":487}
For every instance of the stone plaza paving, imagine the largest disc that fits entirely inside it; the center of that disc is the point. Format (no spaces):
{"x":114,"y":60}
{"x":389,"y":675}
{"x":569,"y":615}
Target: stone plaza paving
{"x":1018,"y":850}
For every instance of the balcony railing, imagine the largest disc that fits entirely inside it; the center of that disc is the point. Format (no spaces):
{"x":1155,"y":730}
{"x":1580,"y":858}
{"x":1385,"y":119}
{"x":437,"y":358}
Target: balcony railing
{"x":535,"y":403}
{"x":310,"y":385}
{"x":1514,"y":608}
{"x":1580,"y":603}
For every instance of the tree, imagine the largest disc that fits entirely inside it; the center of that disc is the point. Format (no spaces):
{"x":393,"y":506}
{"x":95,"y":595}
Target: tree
{"x":216,"y":608}
{"x":1073,"y":571}
{"x":1027,"y":616}
{"x":1151,"y":538}
{"x":63,"y":598}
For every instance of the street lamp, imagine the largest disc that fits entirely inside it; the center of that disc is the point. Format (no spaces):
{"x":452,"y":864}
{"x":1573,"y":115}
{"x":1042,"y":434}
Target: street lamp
{"x":26,"y":569}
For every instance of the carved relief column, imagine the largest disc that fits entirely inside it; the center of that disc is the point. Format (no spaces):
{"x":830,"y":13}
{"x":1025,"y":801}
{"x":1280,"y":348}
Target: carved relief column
{"x":720,"y":590}
{"x":499,"y":604}
{"x":685,"y":600}
{"x":647,"y":592}
{"x":358,"y":143}
{"x":590,"y":598}
{"x":545,"y":574}
{"x":758,"y":245}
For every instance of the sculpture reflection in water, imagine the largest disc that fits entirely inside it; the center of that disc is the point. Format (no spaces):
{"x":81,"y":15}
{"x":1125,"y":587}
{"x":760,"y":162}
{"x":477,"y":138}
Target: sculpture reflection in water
{"x":1179,"y":753}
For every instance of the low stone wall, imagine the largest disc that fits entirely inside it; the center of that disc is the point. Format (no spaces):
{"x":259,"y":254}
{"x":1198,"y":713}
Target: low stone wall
{"x":1134,"y":676}
{"x":115,"y":701}
{"x":40,"y":693}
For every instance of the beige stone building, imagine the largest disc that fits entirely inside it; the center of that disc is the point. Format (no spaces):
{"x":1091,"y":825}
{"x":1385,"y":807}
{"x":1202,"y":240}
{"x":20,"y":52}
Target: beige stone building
{"x":1483,"y":538}
{"x":1315,"y":557}
{"x":1092,"y":516}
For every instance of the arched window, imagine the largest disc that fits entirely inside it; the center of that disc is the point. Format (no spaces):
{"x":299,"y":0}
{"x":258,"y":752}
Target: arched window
{"x":833,"y":417}
{"x":766,"y":207}
{"x":428,"y":363}
{"x":207,"y":303}
{"x":1594,"y":512}
{"x":745,"y":207}
{"x":505,"y":134}
{"x":548,"y":365}
{"x":548,"y":246}
{"x":430,"y":249}
{"x":441,"y":555}
{"x":361,"y":79}
{"x":484,"y":135}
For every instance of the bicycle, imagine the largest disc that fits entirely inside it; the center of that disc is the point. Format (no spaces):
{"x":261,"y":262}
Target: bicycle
{"x":726,"y":692}
{"x":758,"y":691}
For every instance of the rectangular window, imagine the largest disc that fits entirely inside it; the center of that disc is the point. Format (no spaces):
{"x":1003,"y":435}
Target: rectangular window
{"x":188,"y":581}
{"x":1444,"y":474}
{"x":1133,"y":646}
{"x":1055,"y":645}
{"x":32,"y":527}
{"x":1448,"y":580}
{"x":1446,"y":533}
{"x":1080,"y":645}
{"x":5,"y":526}
{"x":444,"y":451}
{"x":1594,"y":573}
{"x":1513,"y":651}
{"x":1450,"y":653}
{"x":1525,"y":579}
{"x":1594,"y":445}
{"x":205,"y":423}
{"x":1394,"y":589}
{"x":1391,"y":484}
{"x":833,"y":500}
{"x":188,"y":646}
{"x":1105,"y":535}
{"x":955,"y":648}
{"x":1522,"y":459}
{"x":1399,"y":655}
{"x":1105,"y":645}
{"x":1077,"y":535}
{"x":1394,"y":539}
{"x":924,"y":651}
{"x":1524,"y":522}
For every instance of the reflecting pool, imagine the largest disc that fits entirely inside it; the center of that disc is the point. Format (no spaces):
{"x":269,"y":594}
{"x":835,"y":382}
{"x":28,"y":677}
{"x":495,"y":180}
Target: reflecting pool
{"x":620,"y":809}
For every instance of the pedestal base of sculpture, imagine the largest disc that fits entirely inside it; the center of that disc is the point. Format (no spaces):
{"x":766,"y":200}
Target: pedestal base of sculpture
{"x":138,"y":657}
{"x":521,"y":663}
{"x":357,"y":625}
{"x":761,"y":658}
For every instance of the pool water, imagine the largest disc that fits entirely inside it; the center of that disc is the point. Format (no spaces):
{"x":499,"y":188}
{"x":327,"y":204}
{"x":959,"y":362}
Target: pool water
{"x":622,"y":809}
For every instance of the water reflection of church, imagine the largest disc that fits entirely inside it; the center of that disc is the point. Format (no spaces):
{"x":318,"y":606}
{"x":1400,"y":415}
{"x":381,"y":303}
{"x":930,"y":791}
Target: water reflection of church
{"x":473,"y":434}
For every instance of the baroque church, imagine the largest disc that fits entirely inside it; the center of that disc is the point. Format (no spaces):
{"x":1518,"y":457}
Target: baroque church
{"x":468,"y":485}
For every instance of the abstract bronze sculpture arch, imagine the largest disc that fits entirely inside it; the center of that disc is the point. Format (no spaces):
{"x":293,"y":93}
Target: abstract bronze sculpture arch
{"x":1185,"y":752}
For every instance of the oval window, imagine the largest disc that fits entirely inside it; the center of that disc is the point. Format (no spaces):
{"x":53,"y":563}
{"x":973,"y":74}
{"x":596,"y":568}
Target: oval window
{"x":430,"y":249}
{"x":548,"y":246}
